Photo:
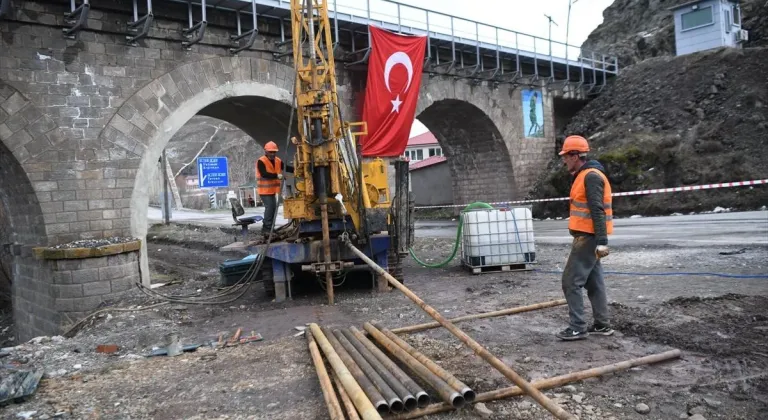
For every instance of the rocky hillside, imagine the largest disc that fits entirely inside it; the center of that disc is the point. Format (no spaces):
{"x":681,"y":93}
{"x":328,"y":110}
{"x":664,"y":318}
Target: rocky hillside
{"x":216,"y":138}
{"x":635,"y":30}
{"x":671,"y":121}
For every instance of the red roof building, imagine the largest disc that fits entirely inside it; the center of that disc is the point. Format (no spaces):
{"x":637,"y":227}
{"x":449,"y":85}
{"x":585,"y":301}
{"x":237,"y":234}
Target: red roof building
{"x":434,"y":160}
{"x":423,"y":146}
{"x":423,"y":139}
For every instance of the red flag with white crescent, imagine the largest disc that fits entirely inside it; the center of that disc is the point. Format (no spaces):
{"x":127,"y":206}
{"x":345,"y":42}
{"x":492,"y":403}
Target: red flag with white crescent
{"x":392,"y":91}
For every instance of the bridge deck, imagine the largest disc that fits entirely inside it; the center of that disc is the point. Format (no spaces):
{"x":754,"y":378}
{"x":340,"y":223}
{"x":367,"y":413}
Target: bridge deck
{"x":455,"y":44}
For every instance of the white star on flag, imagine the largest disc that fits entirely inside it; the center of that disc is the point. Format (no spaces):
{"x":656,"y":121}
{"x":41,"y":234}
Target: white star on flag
{"x":396,"y":104}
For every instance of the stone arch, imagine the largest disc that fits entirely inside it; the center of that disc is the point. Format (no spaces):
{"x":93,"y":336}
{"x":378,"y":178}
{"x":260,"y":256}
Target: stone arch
{"x":463,"y":117}
{"x":25,"y":133}
{"x":147,"y":121}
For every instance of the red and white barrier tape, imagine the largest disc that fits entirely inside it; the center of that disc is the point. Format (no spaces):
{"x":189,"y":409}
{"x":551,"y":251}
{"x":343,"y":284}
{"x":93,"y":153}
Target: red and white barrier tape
{"x":623,"y":194}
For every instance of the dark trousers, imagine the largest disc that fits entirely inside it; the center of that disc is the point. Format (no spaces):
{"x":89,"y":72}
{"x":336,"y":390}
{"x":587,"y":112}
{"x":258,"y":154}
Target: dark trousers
{"x":270,"y":208}
{"x":583,"y":270}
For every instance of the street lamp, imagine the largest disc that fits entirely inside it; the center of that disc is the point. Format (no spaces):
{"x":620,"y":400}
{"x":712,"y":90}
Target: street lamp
{"x":568,"y":27}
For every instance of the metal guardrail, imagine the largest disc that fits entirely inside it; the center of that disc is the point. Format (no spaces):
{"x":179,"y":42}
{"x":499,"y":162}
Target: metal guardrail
{"x":455,"y":46}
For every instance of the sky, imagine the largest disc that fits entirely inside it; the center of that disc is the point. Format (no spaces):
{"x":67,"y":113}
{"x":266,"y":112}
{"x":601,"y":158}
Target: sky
{"x":525,"y":17}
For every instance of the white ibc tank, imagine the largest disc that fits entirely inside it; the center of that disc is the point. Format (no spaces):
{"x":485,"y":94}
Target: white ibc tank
{"x":493,"y":237}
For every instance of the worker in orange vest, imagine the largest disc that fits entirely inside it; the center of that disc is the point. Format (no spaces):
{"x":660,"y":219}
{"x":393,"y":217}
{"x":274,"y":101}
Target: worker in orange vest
{"x":590,"y":223}
{"x":269,"y":174}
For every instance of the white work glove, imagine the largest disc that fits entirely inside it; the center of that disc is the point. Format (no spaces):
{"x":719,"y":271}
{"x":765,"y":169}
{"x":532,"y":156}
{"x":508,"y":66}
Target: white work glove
{"x":602,"y":251}
{"x":279,"y":176}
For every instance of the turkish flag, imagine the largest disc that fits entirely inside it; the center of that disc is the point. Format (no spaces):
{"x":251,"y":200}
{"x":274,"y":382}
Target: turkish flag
{"x":394,"y":78}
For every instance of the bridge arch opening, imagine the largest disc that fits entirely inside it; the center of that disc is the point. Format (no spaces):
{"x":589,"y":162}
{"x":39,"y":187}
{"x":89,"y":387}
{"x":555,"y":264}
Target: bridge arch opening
{"x":476,"y":154}
{"x":260,"y":110}
{"x":21,"y":228}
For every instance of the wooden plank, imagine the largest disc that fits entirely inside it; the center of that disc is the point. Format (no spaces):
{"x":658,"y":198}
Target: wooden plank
{"x":499,"y":268}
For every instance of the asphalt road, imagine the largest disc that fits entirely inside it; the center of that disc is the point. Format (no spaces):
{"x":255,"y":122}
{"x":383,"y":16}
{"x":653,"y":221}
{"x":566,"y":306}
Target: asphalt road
{"x":738,"y":228}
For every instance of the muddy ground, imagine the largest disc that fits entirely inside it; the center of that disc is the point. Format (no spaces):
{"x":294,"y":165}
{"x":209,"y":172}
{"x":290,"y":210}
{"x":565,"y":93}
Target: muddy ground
{"x":719,"y":323}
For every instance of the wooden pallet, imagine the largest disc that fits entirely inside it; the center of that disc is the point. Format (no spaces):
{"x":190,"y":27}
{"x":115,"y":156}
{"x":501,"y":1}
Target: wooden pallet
{"x":498,"y":268}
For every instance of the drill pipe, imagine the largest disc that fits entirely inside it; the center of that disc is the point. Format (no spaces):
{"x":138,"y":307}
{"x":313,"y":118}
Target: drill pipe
{"x":554,"y":382}
{"x":334,"y":410}
{"x":422,"y":398}
{"x":447,"y":393}
{"x":395,"y":403}
{"x":451,"y":380}
{"x":362,"y":403}
{"x":348,"y":405}
{"x":508,"y":372}
{"x":370,"y":390}
{"x":397,"y":386}
{"x":502,"y":312}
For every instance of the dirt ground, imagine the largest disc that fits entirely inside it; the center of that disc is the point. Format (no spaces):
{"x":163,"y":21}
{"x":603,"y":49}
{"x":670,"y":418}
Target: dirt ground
{"x":718,"y":323}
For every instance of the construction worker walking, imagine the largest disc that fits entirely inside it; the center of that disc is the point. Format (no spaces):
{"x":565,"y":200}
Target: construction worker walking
{"x":590,"y":223}
{"x":269,"y":174}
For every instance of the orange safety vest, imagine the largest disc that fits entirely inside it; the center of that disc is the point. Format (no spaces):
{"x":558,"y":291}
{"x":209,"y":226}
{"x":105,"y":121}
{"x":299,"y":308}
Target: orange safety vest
{"x":581,"y":219}
{"x":269,"y":186}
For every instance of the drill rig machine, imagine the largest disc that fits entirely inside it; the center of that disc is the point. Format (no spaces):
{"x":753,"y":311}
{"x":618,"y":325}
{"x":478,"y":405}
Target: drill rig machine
{"x":336,"y":193}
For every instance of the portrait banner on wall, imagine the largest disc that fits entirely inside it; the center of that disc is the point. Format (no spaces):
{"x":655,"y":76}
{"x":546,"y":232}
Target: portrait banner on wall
{"x":533,"y":114}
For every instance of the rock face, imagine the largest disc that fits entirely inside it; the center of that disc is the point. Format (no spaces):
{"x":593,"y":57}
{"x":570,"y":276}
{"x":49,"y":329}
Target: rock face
{"x":216,"y":138}
{"x":635,"y":30}
{"x":672,"y":121}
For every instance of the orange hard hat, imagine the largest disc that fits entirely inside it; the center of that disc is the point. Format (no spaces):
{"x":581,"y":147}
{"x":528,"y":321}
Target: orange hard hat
{"x":575,"y":144}
{"x":271,"y":147}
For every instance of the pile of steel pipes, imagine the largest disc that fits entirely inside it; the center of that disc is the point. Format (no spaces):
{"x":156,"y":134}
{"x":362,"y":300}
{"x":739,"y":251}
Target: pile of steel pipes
{"x":372,"y":392}
{"x":369,"y":383}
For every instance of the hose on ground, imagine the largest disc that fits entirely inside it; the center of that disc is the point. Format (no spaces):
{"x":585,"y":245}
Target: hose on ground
{"x":471,"y":206}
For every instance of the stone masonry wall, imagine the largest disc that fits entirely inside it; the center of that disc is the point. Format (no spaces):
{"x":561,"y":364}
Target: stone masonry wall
{"x":79,"y":85}
{"x":33,"y":303}
{"x":85,"y":176}
{"x":80,"y":285}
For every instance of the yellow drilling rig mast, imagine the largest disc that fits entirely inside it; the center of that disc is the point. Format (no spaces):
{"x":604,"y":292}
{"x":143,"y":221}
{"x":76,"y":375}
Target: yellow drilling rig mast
{"x":335,"y":191}
{"x":323,"y":169}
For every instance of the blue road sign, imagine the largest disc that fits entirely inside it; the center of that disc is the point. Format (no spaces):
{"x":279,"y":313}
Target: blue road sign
{"x":212,"y":172}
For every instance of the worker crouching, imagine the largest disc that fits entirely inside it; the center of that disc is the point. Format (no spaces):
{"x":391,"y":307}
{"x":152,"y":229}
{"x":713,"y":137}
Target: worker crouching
{"x":269,"y":176}
{"x":590,"y":223}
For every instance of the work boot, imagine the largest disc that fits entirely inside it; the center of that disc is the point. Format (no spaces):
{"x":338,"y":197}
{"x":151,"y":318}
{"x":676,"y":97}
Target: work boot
{"x":570,"y":334}
{"x":598,"y":329}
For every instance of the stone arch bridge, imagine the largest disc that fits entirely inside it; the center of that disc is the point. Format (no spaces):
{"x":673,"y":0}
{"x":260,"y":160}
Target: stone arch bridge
{"x":83,"y":122}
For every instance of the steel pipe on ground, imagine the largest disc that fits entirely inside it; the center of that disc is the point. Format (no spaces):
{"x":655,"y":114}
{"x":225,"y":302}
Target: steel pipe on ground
{"x":362,"y":403}
{"x":446,"y":392}
{"x":374,"y":396}
{"x":466,"y":392}
{"x":422,"y":398}
{"x":502,"y":312}
{"x":405,"y":396}
{"x":508,"y":372}
{"x":334,"y":410}
{"x":394,"y":402}
{"x":348,"y":404}
{"x":514,"y":391}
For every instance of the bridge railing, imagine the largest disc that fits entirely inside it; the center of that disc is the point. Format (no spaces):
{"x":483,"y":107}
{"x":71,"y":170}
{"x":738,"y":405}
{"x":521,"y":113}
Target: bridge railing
{"x":470,"y":32}
{"x":445,"y":31}
{"x":502,"y":53}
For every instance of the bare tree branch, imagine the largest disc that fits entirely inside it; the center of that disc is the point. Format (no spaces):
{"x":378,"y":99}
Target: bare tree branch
{"x":210,"y":139}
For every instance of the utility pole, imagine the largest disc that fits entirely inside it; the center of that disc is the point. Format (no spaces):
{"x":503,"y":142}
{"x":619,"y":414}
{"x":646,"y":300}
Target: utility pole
{"x":568,"y":26}
{"x":166,"y":205}
{"x":551,"y":21}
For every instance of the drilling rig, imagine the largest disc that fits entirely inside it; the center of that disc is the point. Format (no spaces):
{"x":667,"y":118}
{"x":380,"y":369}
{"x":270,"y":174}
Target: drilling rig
{"x":336,"y":193}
